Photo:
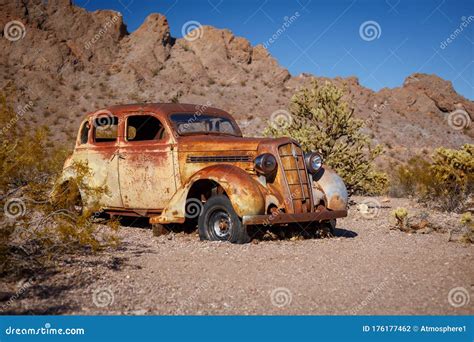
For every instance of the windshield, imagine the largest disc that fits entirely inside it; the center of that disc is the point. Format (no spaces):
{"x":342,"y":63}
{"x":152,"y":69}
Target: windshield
{"x":193,"y":123}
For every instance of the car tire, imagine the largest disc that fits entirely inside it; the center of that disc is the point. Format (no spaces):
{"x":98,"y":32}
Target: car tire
{"x":329,"y":228}
{"x":219,"y":222}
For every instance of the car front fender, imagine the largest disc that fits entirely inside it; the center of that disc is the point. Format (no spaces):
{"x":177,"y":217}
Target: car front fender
{"x":246,"y":194}
{"x":329,"y":187}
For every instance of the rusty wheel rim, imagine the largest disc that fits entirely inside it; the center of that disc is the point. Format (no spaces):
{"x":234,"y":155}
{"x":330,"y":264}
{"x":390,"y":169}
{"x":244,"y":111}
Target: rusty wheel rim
{"x":221,"y":223}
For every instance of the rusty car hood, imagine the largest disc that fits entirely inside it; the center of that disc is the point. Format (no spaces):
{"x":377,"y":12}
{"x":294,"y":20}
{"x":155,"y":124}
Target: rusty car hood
{"x":225,"y":143}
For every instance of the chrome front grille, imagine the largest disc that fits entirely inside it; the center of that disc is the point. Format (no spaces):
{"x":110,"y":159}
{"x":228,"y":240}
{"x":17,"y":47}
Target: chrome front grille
{"x":294,"y":169}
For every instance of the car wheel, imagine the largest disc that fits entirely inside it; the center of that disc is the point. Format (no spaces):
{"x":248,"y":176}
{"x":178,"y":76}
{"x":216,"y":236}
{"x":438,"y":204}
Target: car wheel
{"x":328,"y":228}
{"x":219,"y":222}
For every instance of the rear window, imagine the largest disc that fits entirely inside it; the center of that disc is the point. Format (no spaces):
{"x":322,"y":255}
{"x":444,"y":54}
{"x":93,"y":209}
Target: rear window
{"x":106,"y":129}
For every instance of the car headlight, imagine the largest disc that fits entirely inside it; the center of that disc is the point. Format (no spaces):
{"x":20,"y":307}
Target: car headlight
{"x":313,"y":162}
{"x":265,"y":164}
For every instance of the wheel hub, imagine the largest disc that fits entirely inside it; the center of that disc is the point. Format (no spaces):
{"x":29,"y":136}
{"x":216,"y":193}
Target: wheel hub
{"x":221,"y":224}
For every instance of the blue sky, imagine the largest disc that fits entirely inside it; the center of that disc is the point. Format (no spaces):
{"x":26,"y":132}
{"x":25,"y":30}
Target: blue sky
{"x":327,"y":37}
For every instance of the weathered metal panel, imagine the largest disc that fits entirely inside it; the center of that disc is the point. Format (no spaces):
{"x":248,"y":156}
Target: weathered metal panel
{"x":293,"y":218}
{"x":146,"y":175}
{"x":150,"y":177}
{"x":103,"y":169}
{"x":333,"y":187}
{"x":246,"y":194}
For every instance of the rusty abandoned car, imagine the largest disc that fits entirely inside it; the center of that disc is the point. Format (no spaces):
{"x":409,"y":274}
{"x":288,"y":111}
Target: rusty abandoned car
{"x":181,"y":163}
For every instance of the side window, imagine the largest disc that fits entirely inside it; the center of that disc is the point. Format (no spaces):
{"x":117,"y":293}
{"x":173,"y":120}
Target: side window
{"x":106,"y":129}
{"x":223,"y":127}
{"x":144,"y":127}
{"x":84,"y":137}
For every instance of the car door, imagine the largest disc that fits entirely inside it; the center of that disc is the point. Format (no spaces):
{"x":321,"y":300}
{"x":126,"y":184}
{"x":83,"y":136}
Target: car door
{"x":101,"y":155}
{"x":146,"y":164}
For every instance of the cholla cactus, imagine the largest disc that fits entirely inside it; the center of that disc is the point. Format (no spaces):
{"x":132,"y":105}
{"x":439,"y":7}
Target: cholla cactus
{"x":468,"y":223}
{"x":455,"y":166}
{"x":322,"y":121}
{"x":466,"y":219}
{"x":453,"y":175}
{"x":401,"y":217}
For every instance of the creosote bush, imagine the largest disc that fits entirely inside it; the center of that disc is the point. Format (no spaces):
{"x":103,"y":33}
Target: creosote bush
{"x":446,"y":181}
{"x":32,"y":229}
{"x":322,"y":121}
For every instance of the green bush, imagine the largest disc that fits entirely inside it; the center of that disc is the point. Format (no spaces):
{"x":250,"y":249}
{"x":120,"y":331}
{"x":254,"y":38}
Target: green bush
{"x":33,"y":230}
{"x":401,"y":218}
{"x":322,"y":121}
{"x":412,"y":178}
{"x":468,"y":224}
{"x":446,"y":181}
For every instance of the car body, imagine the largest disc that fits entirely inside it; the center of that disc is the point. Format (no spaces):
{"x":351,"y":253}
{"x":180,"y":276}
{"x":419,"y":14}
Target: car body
{"x":172,"y":162}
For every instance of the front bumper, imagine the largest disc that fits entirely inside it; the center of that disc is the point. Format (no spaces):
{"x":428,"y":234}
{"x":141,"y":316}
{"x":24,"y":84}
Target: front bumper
{"x":279,"y":218}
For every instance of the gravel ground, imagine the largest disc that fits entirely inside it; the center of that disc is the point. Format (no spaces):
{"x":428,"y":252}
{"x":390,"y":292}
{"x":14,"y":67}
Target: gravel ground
{"x":366,"y":269}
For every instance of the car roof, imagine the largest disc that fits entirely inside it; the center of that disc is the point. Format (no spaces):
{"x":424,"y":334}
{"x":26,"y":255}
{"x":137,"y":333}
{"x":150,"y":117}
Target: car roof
{"x":162,"y":108}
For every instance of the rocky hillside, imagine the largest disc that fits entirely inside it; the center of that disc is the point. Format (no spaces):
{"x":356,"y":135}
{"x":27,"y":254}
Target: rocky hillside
{"x":71,"y":61}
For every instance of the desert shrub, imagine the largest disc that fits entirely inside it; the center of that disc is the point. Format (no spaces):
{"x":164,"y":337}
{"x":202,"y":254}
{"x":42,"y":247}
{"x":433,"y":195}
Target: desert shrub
{"x":447,"y":181}
{"x":32,"y":230}
{"x":401,"y":218}
{"x":321,"y":120}
{"x":468,"y":224}
{"x":408,"y":178}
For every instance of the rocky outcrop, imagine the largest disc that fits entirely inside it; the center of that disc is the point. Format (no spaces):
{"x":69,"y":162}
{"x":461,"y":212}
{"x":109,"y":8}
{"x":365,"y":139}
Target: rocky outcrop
{"x":71,"y":61}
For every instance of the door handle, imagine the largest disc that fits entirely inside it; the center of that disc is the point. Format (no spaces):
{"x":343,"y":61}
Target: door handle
{"x":118,"y":154}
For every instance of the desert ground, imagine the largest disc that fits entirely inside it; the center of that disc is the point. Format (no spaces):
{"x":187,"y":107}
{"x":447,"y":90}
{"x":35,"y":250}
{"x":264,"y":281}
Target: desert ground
{"x":366,"y":268}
